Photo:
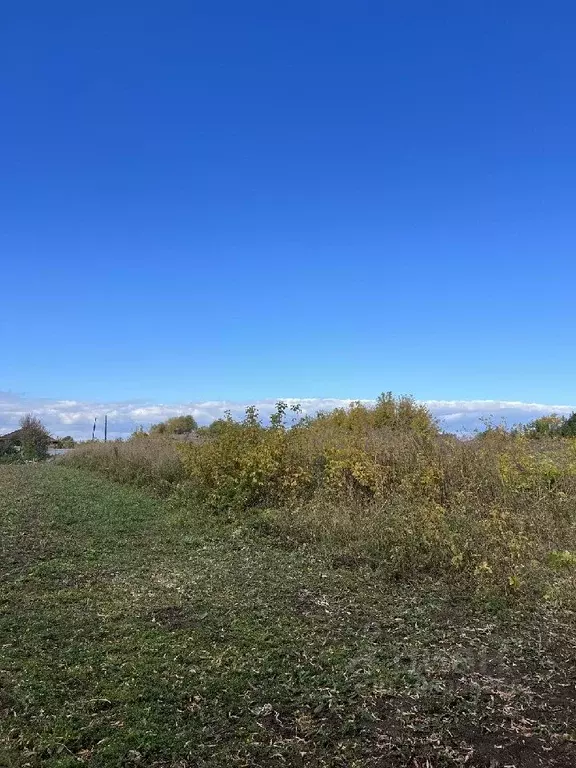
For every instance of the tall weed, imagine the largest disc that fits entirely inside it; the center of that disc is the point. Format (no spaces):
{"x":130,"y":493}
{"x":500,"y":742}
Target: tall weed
{"x":379,"y":485}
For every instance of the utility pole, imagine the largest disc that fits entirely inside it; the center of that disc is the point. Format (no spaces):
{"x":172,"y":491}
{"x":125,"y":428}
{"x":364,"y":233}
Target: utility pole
{"x":105,"y":427}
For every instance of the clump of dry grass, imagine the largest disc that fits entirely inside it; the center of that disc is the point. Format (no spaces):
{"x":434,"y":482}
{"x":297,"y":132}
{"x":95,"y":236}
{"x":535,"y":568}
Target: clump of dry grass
{"x":151,"y":462}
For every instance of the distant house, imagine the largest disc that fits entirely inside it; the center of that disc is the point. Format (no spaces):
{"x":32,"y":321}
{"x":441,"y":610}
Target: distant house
{"x":13,"y":441}
{"x":10,"y":441}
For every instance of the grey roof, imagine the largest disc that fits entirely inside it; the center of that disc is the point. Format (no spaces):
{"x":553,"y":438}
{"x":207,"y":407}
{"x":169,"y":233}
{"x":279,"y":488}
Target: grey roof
{"x":11,"y":435}
{"x":17,"y":434}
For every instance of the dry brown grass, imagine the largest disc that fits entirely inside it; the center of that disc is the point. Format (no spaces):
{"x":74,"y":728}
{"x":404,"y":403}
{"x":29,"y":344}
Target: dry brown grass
{"x":151,"y":462}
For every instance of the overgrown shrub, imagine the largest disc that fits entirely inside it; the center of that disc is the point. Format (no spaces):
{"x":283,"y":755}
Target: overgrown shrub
{"x":381,"y":485}
{"x":34,"y":438}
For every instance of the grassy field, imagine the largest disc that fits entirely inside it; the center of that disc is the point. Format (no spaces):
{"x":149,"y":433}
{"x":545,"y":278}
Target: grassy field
{"x":134,"y":632}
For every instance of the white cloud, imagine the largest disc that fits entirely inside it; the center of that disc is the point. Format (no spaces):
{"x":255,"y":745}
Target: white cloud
{"x":73,"y":417}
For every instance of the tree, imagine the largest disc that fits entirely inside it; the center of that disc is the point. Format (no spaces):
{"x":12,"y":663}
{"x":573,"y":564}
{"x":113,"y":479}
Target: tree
{"x":552,"y":426}
{"x":178,"y":425}
{"x":34,"y":438}
{"x":568,"y":429}
{"x":545,"y":426}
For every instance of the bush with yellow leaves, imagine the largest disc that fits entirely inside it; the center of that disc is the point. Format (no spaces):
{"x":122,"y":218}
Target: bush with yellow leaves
{"x":380,"y":484}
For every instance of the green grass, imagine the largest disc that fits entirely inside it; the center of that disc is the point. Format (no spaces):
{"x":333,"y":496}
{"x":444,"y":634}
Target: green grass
{"x":137,"y":633}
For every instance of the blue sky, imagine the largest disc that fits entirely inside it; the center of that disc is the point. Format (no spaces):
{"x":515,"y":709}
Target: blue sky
{"x":238,"y":201}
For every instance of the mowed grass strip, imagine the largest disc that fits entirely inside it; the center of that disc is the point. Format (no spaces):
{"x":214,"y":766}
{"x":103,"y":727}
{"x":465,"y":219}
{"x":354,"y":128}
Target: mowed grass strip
{"x":137,"y":633}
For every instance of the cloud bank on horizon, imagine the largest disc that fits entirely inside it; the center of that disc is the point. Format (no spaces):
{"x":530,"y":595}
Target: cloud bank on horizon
{"x":75,"y":418}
